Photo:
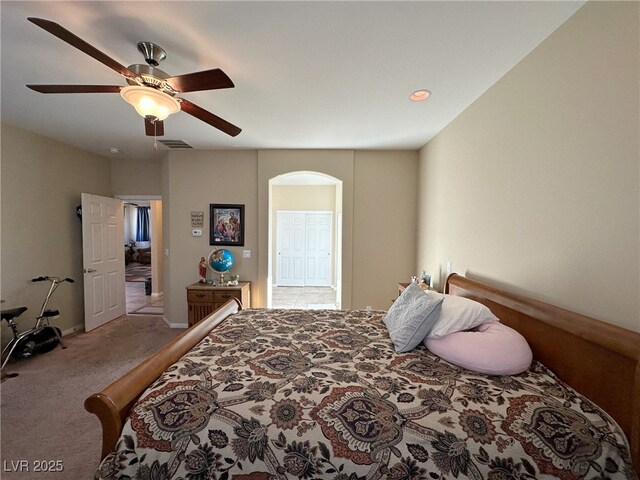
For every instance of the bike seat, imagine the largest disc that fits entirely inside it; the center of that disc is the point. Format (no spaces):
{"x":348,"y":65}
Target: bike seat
{"x":12,"y":313}
{"x":51,"y":313}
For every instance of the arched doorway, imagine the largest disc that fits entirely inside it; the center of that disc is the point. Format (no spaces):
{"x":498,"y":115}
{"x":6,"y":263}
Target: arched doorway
{"x":305,"y":241}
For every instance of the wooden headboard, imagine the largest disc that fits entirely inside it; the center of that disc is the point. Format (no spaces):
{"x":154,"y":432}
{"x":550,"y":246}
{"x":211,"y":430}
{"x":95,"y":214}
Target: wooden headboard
{"x":598,"y":359}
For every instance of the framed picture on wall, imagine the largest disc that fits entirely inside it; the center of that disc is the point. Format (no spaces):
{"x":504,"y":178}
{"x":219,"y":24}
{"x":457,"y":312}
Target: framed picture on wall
{"x":226,"y":225}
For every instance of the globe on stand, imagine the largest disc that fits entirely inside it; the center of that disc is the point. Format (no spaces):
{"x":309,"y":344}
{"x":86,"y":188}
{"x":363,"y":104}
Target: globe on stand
{"x":221,"y":261}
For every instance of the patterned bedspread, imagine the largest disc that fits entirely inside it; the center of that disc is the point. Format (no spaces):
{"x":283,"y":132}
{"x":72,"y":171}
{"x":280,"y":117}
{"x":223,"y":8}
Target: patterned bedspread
{"x":323,"y":395}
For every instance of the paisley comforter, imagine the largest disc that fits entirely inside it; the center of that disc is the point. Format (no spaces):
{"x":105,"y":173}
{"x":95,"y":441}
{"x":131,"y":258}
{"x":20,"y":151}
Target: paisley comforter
{"x":322,"y":395}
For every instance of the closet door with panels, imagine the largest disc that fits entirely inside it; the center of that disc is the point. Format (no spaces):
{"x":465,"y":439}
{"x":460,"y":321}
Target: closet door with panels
{"x":304,"y":244}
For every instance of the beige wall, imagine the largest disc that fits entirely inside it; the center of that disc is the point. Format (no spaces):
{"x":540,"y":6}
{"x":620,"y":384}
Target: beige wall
{"x":303,"y":198}
{"x":134,"y":176}
{"x":41,"y":235}
{"x":192,"y":181}
{"x":536,"y":185}
{"x":384,"y":229}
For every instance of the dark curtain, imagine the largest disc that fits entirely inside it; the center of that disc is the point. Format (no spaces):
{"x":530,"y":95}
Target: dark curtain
{"x":142,"y":232}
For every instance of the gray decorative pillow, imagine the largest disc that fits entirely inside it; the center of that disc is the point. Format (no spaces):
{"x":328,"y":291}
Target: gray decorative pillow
{"x":411,"y":317}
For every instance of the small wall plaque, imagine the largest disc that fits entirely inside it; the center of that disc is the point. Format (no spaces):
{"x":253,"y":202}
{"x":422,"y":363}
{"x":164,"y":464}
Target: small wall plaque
{"x":197,"y":219}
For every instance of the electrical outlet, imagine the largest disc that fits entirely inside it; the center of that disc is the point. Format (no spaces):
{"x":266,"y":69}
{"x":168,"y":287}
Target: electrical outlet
{"x":449,"y":266}
{"x":246,"y":253}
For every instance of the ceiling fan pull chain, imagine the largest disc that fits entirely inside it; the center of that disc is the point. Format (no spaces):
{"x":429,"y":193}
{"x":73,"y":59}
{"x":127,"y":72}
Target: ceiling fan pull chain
{"x":155,"y":136}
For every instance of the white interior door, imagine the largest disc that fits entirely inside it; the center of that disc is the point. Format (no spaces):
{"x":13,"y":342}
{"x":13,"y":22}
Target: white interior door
{"x":290,"y":245}
{"x":103,"y":259}
{"x":318,"y":251}
{"x":304,"y":245}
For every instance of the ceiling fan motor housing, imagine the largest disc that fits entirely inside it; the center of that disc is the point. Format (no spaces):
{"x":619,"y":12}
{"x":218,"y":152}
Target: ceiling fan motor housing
{"x":153,"y":54}
{"x":151,"y":76}
{"x":151,"y":91}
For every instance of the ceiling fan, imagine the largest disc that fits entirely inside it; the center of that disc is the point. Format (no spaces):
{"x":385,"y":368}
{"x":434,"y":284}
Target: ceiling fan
{"x":152,"y":92}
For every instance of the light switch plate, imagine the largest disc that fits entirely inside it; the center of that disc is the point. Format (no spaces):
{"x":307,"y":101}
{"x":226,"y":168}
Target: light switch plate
{"x":196,"y":232}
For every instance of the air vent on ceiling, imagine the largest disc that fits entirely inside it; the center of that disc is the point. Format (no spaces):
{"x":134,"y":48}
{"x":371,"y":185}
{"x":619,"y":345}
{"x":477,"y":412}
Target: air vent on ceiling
{"x":175,"y":144}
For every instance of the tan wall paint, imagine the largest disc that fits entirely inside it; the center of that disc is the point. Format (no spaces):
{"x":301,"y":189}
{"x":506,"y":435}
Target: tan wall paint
{"x":304,"y":197}
{"x":41,"y":235}
{"x":157,"y":256}
{"x":536,"y":185}
{"x":384,"y":199}
{"x":193,"y":181}
{"x":135,"y":176}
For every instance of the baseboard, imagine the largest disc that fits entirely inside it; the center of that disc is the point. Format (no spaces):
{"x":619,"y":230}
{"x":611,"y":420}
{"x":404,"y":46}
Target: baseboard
{"x":174,"y":325}
{"x":73,"y":329}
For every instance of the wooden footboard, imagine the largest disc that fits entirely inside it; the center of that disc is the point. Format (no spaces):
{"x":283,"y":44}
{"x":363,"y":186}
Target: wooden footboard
{"x":112,"y":405}
{"x":598,"y":359}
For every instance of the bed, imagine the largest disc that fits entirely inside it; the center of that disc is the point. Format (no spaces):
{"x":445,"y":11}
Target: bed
{"x":259,"y":394}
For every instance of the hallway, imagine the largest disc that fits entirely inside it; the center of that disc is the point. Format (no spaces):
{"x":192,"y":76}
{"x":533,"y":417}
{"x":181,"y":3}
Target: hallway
{"x":308,"y":298}
{"x":140,"y":304}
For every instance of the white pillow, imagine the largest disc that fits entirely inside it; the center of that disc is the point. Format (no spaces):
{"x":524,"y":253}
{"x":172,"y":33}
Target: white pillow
{"x":459,"y":314}
{"x":493,"y":348}
{"x":411,"y":317}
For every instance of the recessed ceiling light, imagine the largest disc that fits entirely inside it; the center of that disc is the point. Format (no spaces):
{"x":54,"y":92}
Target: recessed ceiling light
{"x":114,"y":151}
{"x":420,"y":95}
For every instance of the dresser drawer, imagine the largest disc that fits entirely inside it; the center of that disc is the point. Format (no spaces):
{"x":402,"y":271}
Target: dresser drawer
{"x":224,"y":296}
{"x":204,"y":299}
{"x":200,"y":296}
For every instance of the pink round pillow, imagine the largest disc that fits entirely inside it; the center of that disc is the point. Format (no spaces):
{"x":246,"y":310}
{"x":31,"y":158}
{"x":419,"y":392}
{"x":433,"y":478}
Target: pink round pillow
{"x":492,"y":348}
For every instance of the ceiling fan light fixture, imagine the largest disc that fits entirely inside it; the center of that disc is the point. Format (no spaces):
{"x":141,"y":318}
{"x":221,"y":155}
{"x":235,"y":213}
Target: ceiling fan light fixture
{"x":150,"y":102}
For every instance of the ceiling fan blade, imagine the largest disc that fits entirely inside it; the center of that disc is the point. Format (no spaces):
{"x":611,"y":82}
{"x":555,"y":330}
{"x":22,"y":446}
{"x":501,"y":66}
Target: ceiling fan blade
{"x":153,"y":129}
{"x":75,"y":41}
{"x":75,"y":88}
{"x":197,"y":81}
{"x":208,"y":117}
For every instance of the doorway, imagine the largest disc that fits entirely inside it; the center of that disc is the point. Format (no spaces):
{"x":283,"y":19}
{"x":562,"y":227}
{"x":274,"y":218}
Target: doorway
{"x":143,"y":255}
{"x":304,"y":239}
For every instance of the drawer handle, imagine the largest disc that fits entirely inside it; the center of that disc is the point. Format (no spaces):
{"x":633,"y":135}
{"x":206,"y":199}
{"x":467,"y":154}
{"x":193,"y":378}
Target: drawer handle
{"x":200,"y":295}
{"x":226,"y":295}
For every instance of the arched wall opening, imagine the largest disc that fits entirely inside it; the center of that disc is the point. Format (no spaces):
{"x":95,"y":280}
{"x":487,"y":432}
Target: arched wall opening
{"x":305,"y":226}
{"x":338,"y":164}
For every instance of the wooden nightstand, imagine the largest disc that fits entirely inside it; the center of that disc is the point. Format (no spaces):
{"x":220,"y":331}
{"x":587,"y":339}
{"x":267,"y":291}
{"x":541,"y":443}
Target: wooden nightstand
{"x":202,"y":299}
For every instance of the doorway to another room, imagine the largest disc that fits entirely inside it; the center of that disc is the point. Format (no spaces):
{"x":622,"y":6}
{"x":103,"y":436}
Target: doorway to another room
{"x":305,"y":241}
{"x":143,"y":259}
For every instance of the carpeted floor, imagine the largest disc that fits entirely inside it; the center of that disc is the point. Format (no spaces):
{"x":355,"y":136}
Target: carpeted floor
{"x":42,"y":412}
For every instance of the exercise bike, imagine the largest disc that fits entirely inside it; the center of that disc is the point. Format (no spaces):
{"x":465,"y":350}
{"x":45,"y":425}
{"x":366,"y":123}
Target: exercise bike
{"x":42,"y":337}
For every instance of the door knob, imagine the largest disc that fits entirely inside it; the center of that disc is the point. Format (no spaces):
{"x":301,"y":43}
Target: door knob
{"x":89,"y":270}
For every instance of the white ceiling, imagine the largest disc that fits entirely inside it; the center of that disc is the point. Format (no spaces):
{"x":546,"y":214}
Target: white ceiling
{"x":307,"y":74}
